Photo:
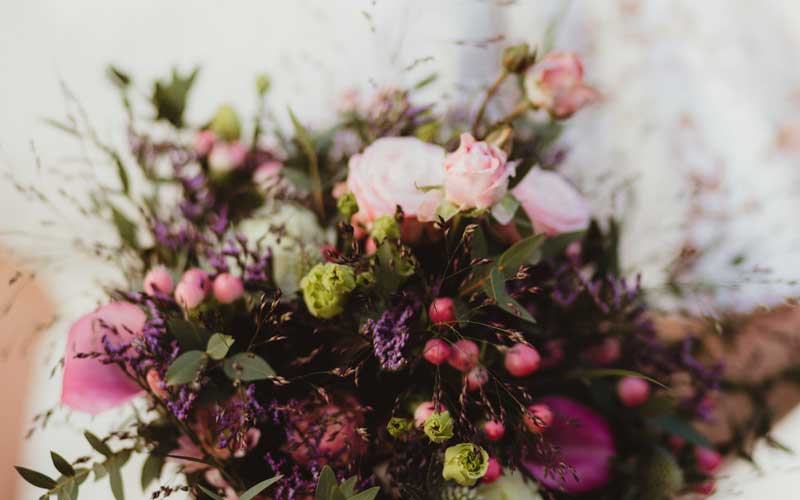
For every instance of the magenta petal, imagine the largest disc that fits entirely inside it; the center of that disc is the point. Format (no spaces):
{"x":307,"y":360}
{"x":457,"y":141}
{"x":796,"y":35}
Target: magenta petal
{"x":89,"y":385}
{"x":585,"y":442}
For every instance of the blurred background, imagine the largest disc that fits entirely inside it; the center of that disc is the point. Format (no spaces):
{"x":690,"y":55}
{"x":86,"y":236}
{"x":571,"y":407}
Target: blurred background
{"x":699,"y":125}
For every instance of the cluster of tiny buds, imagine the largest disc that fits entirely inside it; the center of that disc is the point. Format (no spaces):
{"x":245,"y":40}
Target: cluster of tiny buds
{"x":194,"y":286}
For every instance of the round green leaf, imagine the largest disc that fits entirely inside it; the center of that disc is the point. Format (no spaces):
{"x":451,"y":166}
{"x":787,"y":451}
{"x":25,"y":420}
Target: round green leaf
{"x":184,"y":369}
{"x":247,"y":367}
{"x":218,"y":345}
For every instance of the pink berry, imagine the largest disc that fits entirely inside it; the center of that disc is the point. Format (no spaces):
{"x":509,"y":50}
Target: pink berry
{"x":204,"y":141}
{"x":423,"y":411}
{"x":442,"y":311}
{"x":522,"y":360}
{"x":227,"y":288}
{"x":464,"y":355}
{"x":538,"y":418}
{"x":477,"y":377}
{"x":188,"y":295}
{"x":436,"y":351}
{"x":708,"y":461}
{"x":676,"y":443}
{"x":606,"y":353}
{"x":494,"y":430}
{"x":494,"y":471}
{"x":158,"y":280}
{"x":197,"y":278}
{"x":633,"y":391}
{"x":706,"y":488}
{"x":553,"y":353}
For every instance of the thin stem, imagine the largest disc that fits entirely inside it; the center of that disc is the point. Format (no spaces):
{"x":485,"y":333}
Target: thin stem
{"x":490,"y":93}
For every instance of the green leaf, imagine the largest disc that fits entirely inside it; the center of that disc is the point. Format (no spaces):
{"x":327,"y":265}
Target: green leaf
{"x":191,"y":336}
{"x":525,"y":251}
{"x":151,"y":470}
{"x":125,"y":228}
{"x":118,"y":77}
{"x":503,"y":211}
{"x":61,"y":464}
{"x":496,"y":290}
{"x":348,"y":486}
{"x":446,"y":210}
{"x":169,"y":98}
{"x":369,"y":494}
{"x":263,"y":485}
{"x":303,"y":140}
{"x":557,"y":244}
{"x":186,"y":367}
{"x":98,"y":444}
{"x":614,"y":372}
{"x":426,"y":81}
{"x":67,"y":129}
{"x":208,"y":492}
{"x":36,"y":478}
{"x":326,"y":483}
{"x":218,"y":345}
{"x":115,"y":478}
{"x":681,"y":428}
{"x":247,"y":367}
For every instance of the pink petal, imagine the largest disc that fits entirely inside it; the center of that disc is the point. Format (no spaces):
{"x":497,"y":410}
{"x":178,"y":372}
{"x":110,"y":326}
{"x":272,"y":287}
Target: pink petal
{"x":89,"y":385}
{"x":585,"y":442}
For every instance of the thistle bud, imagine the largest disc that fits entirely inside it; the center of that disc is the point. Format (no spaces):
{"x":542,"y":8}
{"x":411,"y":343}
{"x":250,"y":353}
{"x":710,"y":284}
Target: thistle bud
{"x":225,"y":123}
{"x":517,"y":58}
{"x":263,"y":84}
{"x":347,"y":205}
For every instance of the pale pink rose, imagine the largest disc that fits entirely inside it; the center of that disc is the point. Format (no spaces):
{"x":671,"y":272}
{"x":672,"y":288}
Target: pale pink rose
{"x":476,"y":174}
{"x":390,"y":171}
{"x":89,"y":385}
{"x":553,"y":204}
{"x":556,"y":84}
{"x":226,"y":157}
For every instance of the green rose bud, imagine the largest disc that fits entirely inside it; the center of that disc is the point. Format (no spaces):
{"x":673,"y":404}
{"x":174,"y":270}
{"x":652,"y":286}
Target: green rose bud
{"x":325,"y":288}
{"x":365,"y":279}
{"x":262,"y":84}
{"x":465,"y":463}
{"x":399,"y":427}
{"x":347,"y":205}
{"x":385,"y":227}
{"x":439,"y":427}
{"x":517,"y":58}
{"x":225,"y":123}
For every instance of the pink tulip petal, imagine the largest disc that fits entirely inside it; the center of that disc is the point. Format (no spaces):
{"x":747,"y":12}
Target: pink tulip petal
{"x":89,"y":385}
{"x":585,"y":442}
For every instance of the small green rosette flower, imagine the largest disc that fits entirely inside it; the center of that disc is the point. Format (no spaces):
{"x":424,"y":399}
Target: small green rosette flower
{"x":465,"y":463}
{"x":347,"y":205}
{"x":399,"y":427}
{"x":385,"y":227}
{"x":439,"y":427}
{"x":225,"y":123}
{"x":325,"y":288}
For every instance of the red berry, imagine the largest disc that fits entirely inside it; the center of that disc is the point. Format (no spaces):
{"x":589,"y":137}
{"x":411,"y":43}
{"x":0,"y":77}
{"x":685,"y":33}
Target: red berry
{"x":708,"y":460}
{"x":522,"y":360}
{"x":436,"y":351}
{"x":494,"y":430}
{"x":538,"y":418}
{"x":706,"y":488}
{"x":633,"y":391}
{"x":442,"y":311}
{"x":606,"y":353}
{"x":494,"y":471}
{"x":158,"y":280}
{"x":477,"y":377}
{"x":464,"y":355}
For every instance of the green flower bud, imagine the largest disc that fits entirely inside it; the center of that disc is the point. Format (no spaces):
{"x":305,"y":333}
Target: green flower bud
{"x":347,"y":205}
{"x":385,"y":227}
{"x":325,"y":288}
{"x":439,"y":427}
{"x":399,"y":427}
{"x":262,"y":84}
{"x":662,"y":477}
{"x":517,"y":58}
{"x":465,"y":463}
{"x":225,"y":123}
{"x":365,"y":279}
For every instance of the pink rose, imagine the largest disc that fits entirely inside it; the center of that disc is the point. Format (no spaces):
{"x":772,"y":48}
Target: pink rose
{"x":390,"y":172}
{"x":89,"y":385}
{"x":476,"y":174}
{"x":556,"y":84}
{"x":552,"y":204}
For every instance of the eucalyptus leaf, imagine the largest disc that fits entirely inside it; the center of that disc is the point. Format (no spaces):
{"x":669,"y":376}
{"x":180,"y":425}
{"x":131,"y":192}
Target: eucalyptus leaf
{"x":190,"y":335}
{"x":208,"y":492}
{"x":37,"y":478}
{"x":61,"y":464}
{"x":369,"y":494}
{"x":125,"y":228}
{"x":496,"y":290}
{"x":558,"y":244}
{"x":218,"y":345}
{"x":247,"y":367}
{"x":303,"y":139}
{"x":679,"y":427}
{"x":115,"y":478}
{"x":325,"y":483}
{"x":525,"y":251}
{"x":151,"y":470}
{"x":263,"y":485}
{"x":169,"y":97}
{"x":186,"y":367}
{"x":98,"y":444}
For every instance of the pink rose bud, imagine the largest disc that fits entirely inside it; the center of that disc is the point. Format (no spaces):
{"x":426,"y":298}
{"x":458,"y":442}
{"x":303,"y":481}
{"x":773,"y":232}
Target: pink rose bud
{"x":442,"y":310}
{"x":464,"y":355}
{"x":204,"y":141}
{"x":708,"y":460}
{"x":158,"y":280}
{"x":477,"y":377}
{"x":227,"y":288}
{"x":556,"y":85}
{"x":633,"y":391}
{"x":226,"y":157}
{"x":606,"y":353}
{"x":476,"y":174}
{"x":553,"y":205}
{"x":390,"y":172}
{"x":522,"y":360}
{"x":494,"y":430}
{"x":706,"y":488}
{"x":436,"y":351}
{"x":494,"y":471}
{"x":189,"y":296}
{"x":538,"y":418}
{"x":156,"y":384}
{"x":198,"y":278}
{"x":423,"y":411}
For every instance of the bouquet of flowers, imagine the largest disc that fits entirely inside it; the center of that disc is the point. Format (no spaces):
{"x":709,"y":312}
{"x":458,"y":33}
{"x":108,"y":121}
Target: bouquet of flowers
{"x":402,"y":306}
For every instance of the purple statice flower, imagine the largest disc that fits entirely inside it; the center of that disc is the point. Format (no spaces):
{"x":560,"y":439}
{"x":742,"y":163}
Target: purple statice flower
{"x":390,"y":334}
{"x":181,"y":403}
{"x":236,"y":416}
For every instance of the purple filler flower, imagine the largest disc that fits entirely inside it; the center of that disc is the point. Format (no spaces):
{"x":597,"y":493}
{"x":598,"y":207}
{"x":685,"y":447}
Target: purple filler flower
{"x":585,"y":445}
{"x":390,"y":334}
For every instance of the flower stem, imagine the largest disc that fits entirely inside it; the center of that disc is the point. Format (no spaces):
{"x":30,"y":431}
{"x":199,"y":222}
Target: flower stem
{"x":490,"y":93}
